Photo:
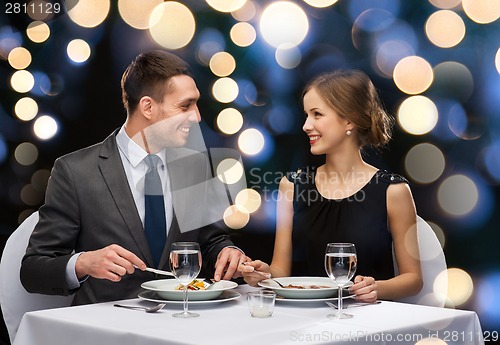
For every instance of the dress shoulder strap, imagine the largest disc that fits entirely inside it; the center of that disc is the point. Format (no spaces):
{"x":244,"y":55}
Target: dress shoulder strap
{"x":391,"y":178}
{"x":301,"y":175}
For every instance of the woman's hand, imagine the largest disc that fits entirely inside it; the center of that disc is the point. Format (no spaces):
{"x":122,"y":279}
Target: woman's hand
{"x":254,"y":271}
{"x":365,"y":289}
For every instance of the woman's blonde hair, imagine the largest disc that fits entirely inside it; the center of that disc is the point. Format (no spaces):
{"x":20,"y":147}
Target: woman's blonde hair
{"x":353,"y":96}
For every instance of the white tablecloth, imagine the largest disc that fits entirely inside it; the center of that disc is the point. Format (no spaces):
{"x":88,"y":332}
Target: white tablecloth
{"x":230,"y":323}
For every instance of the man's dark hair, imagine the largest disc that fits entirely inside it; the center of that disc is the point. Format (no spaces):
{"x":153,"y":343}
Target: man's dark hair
{"x":149,"y":75}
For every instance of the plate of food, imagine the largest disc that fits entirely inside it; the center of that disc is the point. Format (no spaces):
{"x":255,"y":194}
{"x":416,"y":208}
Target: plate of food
{"x":198,"y":289}
{"x":303,"y":287}
{"x":226,"y":295}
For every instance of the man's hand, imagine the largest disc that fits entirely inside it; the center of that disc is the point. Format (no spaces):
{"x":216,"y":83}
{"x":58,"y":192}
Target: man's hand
{"x":111,"y":262}
{"x":227,"y":263}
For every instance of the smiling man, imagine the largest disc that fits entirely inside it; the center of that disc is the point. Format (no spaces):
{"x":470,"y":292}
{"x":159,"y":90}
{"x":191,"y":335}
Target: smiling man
{"x":102,"y":216}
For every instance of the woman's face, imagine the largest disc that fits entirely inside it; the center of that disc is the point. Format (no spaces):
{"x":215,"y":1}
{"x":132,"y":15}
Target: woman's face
{"x":324,"y":127}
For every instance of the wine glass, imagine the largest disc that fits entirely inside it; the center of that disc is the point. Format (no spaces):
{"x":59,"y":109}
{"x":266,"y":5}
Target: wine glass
{"x":340,"y":265}
{"x":185,"y":263}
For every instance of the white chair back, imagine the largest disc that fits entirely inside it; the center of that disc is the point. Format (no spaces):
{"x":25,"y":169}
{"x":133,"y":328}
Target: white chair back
{"x":14,"y":299}
{"x":433,"y":264}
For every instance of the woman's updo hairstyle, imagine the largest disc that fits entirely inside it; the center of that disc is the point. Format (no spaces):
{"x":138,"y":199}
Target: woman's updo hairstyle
{"x":353,"y":96}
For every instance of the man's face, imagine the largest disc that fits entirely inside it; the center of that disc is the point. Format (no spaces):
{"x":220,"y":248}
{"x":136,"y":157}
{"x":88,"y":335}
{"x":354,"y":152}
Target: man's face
{"x":173,"y":118}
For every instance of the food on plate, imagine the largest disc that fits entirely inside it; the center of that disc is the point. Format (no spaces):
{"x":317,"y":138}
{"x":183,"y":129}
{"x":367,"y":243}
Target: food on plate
{"x":291,"y":286}
{"x":194,"y":285}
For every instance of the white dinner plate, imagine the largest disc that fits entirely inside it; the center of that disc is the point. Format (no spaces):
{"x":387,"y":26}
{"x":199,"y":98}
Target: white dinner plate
{"x":227,"y":295}
{"x":165,"y":288}
{"x":307,"y":293}
{"x":309,"y":300}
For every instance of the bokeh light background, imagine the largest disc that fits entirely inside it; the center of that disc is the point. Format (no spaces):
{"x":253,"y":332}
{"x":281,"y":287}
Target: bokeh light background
{"x":436,"y":64}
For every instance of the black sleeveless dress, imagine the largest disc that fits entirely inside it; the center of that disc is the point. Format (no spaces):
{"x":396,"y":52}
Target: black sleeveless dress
{"x":360,"y":219}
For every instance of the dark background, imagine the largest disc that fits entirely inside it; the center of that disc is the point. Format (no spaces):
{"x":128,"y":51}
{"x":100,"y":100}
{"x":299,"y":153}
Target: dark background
{"x":88,"y":108}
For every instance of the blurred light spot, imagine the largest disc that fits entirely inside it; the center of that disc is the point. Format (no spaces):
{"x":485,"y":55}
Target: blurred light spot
{"x":222,"y":64}
{"x":417,"y":115}
{"x":251,"y":141}
{"x":431,"y":341}
{"x":211,"y":42}
{"x":453,"y":80}
{"x":38,"y":32}
{"x":225,"y":90}
{"x":488,"y":299}
{"x":243,"y":34}
{"x":136,"y":13}
{"x":30,"y":196}
{"x":457,"y":121}
{"x":490,"y":159}
{"x":320,"y":3}
{"x":3,"y":150}
{"x":226,"y":5}
{"x":26,"y":109}
{"x":22,"y":81}
{"x":246,"y":12}
{"x":26,"y":153}
{"x":280,"y":119}
{"x":230,"y":171}
{"x":389,"y":54}
{"x":445,"y":4}
{"x":45,"y":127}
{"x":39,"y":180}
{"x":19,"y":58}
{"x":413,"y":75}
{"x":249,"y":200}
{"x":40,"y":10}
{"x":236,"y":218}
{"x":458,"y":195}
{"x":482,"y":11}
{"x":51,"y":86}
{"x":424,"y":163}
{"x":460,"y":286}
{"x":172,"y":25}
{"x":288,"y":56}
{"x":248,"y":93}
{"x":78,"y":50}
{"x":9,"y":39}
{"x":89,"y":13}
{"x":439,"y":233}
{"x":23,"y":215}
{"x":497,"y":60}
{"x":283,"y":22}
{"x":373,"y":20}
{"x":445,"y":29}
{"x":229,"y":121}
{"x":360,"y":6}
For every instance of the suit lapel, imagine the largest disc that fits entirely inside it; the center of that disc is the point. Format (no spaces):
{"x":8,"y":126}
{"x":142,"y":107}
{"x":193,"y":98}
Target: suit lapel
{"x":114,"y":175}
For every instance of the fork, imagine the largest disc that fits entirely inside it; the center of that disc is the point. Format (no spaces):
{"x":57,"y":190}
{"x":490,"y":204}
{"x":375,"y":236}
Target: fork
{"x":152,"y":309}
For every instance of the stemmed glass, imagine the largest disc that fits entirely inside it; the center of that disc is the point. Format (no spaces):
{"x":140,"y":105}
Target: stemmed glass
{"x":185,"y":263}
{"x":340,"y":265}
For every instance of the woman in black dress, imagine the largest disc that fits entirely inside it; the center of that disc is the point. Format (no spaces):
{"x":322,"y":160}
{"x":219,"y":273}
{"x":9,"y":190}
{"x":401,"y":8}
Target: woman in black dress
{"x":346,"y":199}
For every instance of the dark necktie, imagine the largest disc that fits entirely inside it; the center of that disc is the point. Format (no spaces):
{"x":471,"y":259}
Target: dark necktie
{"x":154,"y":219}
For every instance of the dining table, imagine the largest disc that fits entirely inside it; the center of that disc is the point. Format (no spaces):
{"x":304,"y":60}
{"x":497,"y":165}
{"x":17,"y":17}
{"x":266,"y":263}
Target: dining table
{"x":229,"y":322}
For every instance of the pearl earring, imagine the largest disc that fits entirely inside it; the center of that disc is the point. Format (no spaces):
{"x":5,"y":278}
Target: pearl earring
{"x":348,"y":132}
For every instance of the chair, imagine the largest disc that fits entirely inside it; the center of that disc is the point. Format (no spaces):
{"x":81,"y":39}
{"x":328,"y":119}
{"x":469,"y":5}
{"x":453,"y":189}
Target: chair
{"x":432,"y":263}
{"x":14,"y":299}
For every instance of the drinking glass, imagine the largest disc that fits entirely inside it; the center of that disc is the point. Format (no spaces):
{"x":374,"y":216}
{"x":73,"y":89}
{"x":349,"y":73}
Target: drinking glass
{"x":185,"y":263}
{"x":340,"y":265}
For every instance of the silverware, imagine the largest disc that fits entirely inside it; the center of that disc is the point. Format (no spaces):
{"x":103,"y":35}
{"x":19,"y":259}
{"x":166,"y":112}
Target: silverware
{"x":153,"y":309}
{"x":277,"y":282}
{"x":354,"y":304}
{"x":157,"y":271}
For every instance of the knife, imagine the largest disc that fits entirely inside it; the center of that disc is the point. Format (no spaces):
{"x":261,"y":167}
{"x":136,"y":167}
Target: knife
{"x":157,"y":271}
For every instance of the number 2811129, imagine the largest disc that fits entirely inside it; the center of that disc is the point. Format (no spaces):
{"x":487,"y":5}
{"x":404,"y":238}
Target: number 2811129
{"x":33,"y":7}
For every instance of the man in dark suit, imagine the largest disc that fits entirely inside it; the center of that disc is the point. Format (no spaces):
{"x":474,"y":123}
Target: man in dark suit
{"x":91,"y":231}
